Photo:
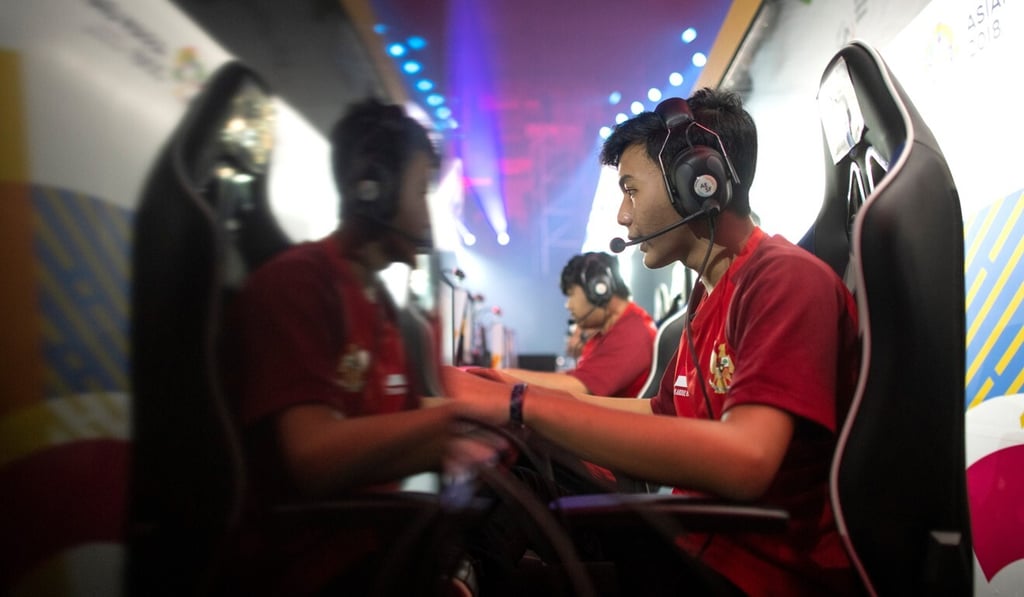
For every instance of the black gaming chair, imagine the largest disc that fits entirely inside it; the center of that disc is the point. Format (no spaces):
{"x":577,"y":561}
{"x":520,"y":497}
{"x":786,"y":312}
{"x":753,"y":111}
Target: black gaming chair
{"x":666,"y":341}
{"x":898,"y":478}
{"x":202,"y":223}
{"x":891,"y":221}
{"x":187,"y":478}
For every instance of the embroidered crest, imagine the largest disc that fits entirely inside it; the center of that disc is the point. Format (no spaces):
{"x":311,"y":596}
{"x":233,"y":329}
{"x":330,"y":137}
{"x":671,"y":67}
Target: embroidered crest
{"x":722,"y":368}
{"x":352,"y":368}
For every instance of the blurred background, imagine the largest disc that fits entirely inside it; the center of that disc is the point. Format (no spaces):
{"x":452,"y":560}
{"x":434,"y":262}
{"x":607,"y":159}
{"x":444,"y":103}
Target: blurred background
{"x":518,"y":94}
{"x":521,"y":94}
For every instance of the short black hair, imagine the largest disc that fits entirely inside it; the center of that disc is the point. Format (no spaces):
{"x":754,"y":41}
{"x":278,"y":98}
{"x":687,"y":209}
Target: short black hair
{"x":720,"y":111}
{"x":372,"y":132}
{"x":591,"y":263}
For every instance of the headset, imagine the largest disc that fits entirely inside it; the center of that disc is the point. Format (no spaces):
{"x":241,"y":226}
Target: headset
{"x":376,"y":172}
{"x":597,"y":280}
{"x":699,"y":178}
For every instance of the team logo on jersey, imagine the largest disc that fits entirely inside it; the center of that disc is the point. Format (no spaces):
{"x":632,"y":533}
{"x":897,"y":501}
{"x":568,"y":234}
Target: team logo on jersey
{"x":722,"y":367}
{"x":352,"y":368}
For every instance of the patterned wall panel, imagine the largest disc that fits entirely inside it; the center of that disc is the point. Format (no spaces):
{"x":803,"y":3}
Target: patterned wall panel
{"x":995,"y":289}
{"x":82,"y":247}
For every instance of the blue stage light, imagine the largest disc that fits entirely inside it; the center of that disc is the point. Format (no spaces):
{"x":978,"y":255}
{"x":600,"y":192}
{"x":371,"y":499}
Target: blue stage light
{"x":435,"y":99}
{"x":654,"y":94}
{"x":443,"y":112}
{"x":620,"y":118}
{"x":396,"y":50}
{"x":689,"y":35}
{"x":699,"y":59}
{"x":636,"y":107}
{"x":605,"y":132}
{"x":416,"y":42}
{"x":424,"y":84}
{"x":614,"y":98}
{"x":676,"y":79}
{"x":412,"y":67}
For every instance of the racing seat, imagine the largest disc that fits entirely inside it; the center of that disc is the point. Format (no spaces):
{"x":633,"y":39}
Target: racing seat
{"x":898,"y":482}
{"x":202,"y":223}
{"x":666,"y":341}
{"x":898,"y":477}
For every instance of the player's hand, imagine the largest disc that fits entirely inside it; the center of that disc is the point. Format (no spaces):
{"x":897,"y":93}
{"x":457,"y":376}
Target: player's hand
{"x":480,"y":396}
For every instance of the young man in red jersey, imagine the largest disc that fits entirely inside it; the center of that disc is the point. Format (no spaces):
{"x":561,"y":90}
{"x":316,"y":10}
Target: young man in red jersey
{"x":750,"y":406}
{"x":617,"y":334}
{"x":327,"y":401}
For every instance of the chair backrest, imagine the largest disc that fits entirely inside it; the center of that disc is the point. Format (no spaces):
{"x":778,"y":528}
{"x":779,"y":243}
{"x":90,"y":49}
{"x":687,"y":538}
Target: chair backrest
{"x":898,"y":477}
{"x":202,"y":221}
{"x":666,"y":341}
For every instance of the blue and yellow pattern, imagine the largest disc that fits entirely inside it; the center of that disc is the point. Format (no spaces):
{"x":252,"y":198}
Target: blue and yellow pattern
{"x":82,"y":246}
{"x":994,"y":280}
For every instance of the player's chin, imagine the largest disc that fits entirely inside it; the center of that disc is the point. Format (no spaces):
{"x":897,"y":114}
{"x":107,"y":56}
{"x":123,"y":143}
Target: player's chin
{"x":653,"y":258}
{"x":404,"y":251}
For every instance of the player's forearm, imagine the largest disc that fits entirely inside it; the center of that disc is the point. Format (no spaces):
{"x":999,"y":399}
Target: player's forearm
{"x":328,"y":457}
{"x":548,"y":379}
{"x":710,"y":456}
{"x":635,"y":405}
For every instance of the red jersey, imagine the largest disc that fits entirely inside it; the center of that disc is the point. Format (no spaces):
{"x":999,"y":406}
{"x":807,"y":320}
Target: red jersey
{"x":618,"y":362}
{"x":313,"y":333}
{"x":309,"y":331}
{"x":780,"y":329}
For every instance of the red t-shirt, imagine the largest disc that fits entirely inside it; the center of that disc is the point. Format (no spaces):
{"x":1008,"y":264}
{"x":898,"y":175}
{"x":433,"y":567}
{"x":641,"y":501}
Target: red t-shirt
{"x":309,"y":332}
{"x":312,"y":333}
{"x":618,"y":362}
{"x":779,"y":329}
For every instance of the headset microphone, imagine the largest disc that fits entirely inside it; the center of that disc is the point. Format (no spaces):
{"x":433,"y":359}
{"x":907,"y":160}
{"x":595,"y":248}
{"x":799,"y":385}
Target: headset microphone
{"x":425,"y":243}
{"x":617,"y":245}
{"x":574,"y":321}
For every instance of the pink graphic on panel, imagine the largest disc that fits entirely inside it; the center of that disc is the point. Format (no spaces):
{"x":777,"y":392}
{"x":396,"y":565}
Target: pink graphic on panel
{"x":996,"y":490}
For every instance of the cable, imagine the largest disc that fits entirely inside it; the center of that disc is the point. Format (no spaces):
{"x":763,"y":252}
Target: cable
{"x":689,"y":319}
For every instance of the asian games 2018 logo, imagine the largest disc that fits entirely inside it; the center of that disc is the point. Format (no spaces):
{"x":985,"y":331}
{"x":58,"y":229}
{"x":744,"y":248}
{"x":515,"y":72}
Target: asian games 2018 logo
{"x":188,"y":73}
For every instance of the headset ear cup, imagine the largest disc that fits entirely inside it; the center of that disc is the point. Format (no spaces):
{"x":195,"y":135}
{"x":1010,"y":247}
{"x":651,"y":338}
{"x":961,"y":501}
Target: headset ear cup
{"x":374,"y":192}
{"x":599,"y":291}
{"x":597,"y":281}
{"x":699,"y":174}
